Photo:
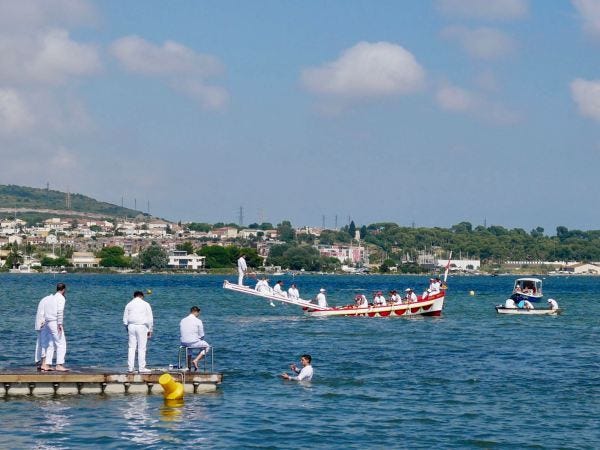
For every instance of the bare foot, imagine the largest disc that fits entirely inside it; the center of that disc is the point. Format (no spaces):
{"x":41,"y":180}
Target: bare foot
{"x":61,"y":368}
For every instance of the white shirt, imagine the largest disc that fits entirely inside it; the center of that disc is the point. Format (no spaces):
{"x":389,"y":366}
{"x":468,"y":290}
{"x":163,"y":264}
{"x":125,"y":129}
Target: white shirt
{"x":138,"y":312}
{"x":411,"y":297}
{"x":395,"y":298}
{"x":191,"y":329}
{"x":553,"y":303}
{"x":293,"y":293}
{"x":510,"y":303}
{"x":242,"y":264}
{"x":379,"y":300}
{"x":54,"y":308}
{"x":321,"y":299}
{"x":39,"y":316}
{"x":363,"y":303}
{"x":277,"y":290}
{"x":434,"y":286}
{"x":305,"y":374}
{"x":262,"y":286}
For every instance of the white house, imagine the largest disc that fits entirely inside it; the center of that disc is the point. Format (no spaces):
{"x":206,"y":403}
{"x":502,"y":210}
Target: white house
{"x":84,"y":260}
{"x":180,"y":259}
{"x":583,"y":268}
{"x":460,"y":264}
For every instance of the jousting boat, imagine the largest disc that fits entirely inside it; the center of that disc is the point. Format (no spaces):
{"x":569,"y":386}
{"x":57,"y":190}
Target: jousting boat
{"x":431,"y":305}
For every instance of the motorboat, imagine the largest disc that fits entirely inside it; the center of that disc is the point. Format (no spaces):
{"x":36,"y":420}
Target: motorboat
{"x":527,"y":289}
{"x":501,"y":309}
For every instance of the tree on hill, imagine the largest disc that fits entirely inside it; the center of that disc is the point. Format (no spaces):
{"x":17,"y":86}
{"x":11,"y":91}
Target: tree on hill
{"x":154,"y":257}
{"x":113,"y":257}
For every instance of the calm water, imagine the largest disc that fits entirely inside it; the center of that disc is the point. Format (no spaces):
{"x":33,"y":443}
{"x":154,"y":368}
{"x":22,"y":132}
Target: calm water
{"x":469,"y":379}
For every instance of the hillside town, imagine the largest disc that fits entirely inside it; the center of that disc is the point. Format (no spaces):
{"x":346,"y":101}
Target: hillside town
{"x":91,"y":244}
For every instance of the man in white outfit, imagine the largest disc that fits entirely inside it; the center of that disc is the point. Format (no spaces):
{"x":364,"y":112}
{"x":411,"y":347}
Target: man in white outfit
{"x":191,"y":332}
{"x":242,"y":267}
{"x":53,"y":333}
{"x":293,"y":292}
{"x":321,"y":299}
{"x":278,"y":289}
{"x":139,"y":322}
{"x":41,"y":343}
{"x":305,"y":374}
{"x":553,"y":304}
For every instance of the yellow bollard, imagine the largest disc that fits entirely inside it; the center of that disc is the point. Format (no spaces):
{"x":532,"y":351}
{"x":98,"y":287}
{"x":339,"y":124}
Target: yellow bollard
{"x":172,"y":389}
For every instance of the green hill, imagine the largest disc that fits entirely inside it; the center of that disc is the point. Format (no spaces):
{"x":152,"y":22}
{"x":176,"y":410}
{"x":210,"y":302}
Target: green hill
{"x":12,"y":196}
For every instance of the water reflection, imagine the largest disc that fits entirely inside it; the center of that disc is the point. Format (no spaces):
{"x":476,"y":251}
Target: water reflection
{"x":171,"y":410}
{"x":55,"y":420}
{"x":139,"y":421}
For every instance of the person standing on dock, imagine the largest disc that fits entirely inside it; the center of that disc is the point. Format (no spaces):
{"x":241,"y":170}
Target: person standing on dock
{"x":41,"y":342}
{"x":53,"y":333}
{"x":305,"y":374}
{"x":242,"y":267}
{"x":138,"y":321}
{"x":191,"y":332}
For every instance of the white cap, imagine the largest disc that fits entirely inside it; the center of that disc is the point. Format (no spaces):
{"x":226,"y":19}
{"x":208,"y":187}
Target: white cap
{"x":321,"y":290}
{"x":407,"y":289}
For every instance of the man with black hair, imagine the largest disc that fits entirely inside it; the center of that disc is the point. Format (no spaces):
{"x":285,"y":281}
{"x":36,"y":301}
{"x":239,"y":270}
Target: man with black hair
{"x":192,"y":335}
{"x":305,"y":374}
{"x":138,"y":321}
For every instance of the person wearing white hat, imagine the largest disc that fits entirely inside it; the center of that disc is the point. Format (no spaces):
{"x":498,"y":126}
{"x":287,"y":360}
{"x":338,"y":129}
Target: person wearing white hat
{"x":321,"y":299}
{"x":553,"y":304}
{"x":410,"y":296}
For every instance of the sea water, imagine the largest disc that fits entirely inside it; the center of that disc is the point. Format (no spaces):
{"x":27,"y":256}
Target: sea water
{"x":469,"y":379}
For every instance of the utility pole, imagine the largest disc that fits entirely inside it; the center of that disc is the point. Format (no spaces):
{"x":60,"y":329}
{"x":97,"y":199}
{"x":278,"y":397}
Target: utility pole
{"x":335,"y":222}
{"x":323,"y":220}
{"x":148,"y":207}
{"x":241,"y":216}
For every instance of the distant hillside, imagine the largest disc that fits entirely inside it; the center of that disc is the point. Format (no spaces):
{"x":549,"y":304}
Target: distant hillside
{"x":12,"y":196}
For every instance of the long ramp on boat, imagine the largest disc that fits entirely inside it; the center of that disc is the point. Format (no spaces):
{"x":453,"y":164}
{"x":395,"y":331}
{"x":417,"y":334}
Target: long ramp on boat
{"x":274,"y":297}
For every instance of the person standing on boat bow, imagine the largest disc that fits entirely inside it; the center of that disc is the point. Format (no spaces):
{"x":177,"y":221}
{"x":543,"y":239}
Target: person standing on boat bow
{"x":242,"y":267}
{"x":321,"y":299}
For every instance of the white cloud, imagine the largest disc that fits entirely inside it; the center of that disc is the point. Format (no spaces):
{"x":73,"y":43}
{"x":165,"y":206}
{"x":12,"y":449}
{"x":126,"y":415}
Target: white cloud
{"x":453,"y":98}
{"x":367,"y":70}
{"x":484,"y":9}
{"x":589,"y":10}
{"x":184,"y":69}
{"x":14,"y":114}
{"x":482,"y":43}
{"x":586,"y":94}
{"x":463,"y":101}
{"x":19,"y":15}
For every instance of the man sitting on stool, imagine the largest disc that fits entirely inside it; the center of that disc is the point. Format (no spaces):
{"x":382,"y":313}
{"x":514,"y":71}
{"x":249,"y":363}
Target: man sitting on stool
{"x":192,"y":335}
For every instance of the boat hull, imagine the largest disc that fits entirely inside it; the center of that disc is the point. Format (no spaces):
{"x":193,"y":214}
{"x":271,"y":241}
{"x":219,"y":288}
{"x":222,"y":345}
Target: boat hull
{"x":431,"y":306}
{"x":528,"y":312}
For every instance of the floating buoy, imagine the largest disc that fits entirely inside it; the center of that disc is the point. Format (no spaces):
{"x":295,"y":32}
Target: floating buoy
{"x":172,"y":389}
{"x":471,"y":293}
{"x":148,"y":291}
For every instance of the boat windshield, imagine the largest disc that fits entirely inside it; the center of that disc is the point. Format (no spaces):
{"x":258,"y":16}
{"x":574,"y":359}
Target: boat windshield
{"x":528,"y":286}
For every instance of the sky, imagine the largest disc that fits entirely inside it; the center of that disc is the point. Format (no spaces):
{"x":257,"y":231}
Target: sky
{"x":416,"y":112}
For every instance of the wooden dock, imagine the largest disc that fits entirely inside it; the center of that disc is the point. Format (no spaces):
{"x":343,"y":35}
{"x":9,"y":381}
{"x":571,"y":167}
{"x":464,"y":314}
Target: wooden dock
{"x":32,"y":382}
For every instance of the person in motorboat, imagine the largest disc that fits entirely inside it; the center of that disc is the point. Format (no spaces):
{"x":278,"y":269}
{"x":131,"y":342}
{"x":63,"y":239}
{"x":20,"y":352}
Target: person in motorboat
{"x":553,"y":304}
{"x":525,"y":304}
{"x":410,"y":296}
{"x":278,"y":289}
{"x":293,"y":292}
{"x":379,"y":299}
{"x":510,"y":304}
{"x":321,"y":299}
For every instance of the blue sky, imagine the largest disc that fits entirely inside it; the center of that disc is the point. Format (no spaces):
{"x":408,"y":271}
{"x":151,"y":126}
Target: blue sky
{"x":424,"y":112}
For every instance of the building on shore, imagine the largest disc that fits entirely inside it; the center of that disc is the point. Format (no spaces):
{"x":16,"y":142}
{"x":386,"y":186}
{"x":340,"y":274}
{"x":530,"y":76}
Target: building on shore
{"x":180,"y":259}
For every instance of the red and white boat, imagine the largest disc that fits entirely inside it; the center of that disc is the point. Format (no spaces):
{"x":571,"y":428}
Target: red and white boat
{"x":431,"y":305}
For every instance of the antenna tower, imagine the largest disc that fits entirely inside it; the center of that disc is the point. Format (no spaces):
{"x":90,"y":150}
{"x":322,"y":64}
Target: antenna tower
{"x":323,"y":220}
{"x":241,"y":216}
{"x":335,"y":227}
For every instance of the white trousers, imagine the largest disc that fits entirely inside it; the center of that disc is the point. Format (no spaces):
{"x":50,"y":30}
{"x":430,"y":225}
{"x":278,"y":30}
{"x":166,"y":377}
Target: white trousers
{"x":54,"y":341}
{"x":138,"y":337}
{"x":240,"y":277}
